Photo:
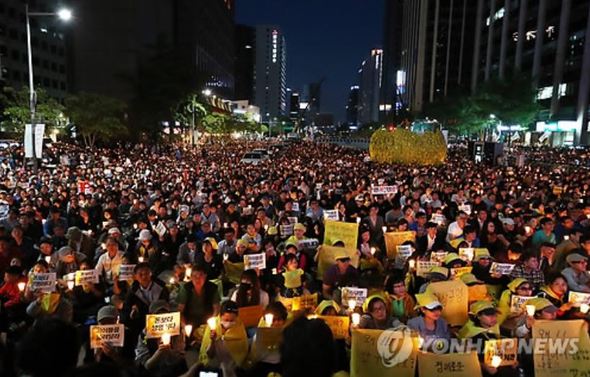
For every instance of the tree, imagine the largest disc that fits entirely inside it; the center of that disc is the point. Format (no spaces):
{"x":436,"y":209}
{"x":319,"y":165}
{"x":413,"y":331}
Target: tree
{"x":190,"y":111}
{"x":17,"y":112}
{"x":97,"y":117}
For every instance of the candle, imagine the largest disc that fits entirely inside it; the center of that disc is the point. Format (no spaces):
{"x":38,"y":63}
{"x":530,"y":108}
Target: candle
{"x":530,"y":310}
{"x":496,"y":361}
{"x":103,"y":246}
{"x":47,"y":259}
{"x":188,"y":329}
{"x":584,"y":308}
{"x":265,"y":227}
{"x":384,"y":228}
{"x":352,"y":303}
{"x":566,"y":237}
{"x":225,"y":225}
{"x":373,"y":251}
{"x":21,"y":286}
{"x":172,"y":281}
{"x":165,"y":339}
{"x":70,"y":285}
{"x":356,"y":319}
{"x":527,"y":229}
{"x":225,"y":256}
{"x":188,"y":272}
{"x":140,"y":259}
{"x":212,"y":323}
{"x":412,"y":264}
{"x":358,"y":220}
{"x":268,"y":319}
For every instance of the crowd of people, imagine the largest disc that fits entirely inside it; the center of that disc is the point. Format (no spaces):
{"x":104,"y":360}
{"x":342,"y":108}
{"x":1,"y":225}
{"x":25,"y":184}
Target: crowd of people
{"x":167,"y":228}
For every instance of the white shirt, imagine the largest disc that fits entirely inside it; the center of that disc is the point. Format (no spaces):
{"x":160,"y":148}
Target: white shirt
{"x":263,"y":297}
{"x":107,"y":265}
{"x":454,"y":231}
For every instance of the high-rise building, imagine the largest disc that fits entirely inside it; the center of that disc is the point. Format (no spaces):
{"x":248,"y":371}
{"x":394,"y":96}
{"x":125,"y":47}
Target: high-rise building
{"x":270,"y":82}
{"x":436,"y":50}
{"x":47,"y":43}
{"x":352,"y":104}
{"x":371,"y":81}
{"x":294,"y":106}
{"x":245,"y":53}
{"x":392,"y":37}
{"x":113,"y":38}
{"x":549,"y":41}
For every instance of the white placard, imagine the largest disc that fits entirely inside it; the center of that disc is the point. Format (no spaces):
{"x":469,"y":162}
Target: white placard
{"x":439,"y":219}
{"x":466,"y":253}
{"x":438,"y":256}
{"x":160,"y":324}
{"x":160,"y":228}
{"x":423,"y":267}
{"x":465,"y":208}
{"x":293,"y":219}
{"x":43,"y":282}
{"x":126,"y":272}
{"x":331,"y":214}
{"x":352,"y":293}
{"x":255,"y":261}
{"x":517,"y":303}
{"x":404,"y":251}
{"x":383,"y":190}
{"x":86,"y":277}
{"x":286,"y":230}
{"x":579,"y":298}
{"x":502,"y":268}
{"x":114,"y":335}
{"x":310,"y":243}
{"x":295,"y":206}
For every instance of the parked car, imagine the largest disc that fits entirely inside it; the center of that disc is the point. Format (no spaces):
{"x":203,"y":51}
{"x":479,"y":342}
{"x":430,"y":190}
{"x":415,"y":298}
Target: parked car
{"x":252,"y":158}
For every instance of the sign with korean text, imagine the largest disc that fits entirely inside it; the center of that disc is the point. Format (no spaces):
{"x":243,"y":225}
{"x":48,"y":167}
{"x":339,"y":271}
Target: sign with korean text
{"x":286,"y":230}
{"x":338,"y":324}
{"x":160,"y":324}
{"x":448,"y":365}
{"x":456,"y":273}
{"x":393,"y":239}
{"x":383,"y":353}
{"x":255,"y":261}
{"x":86,"y":277}
{"x":518,"y":303}
{"x":423,"y":267}
{"x":466,"y":253}
{"x":327,"y":258}
{"x":578,"y":298}
{"x":308,"y":244}
{"x":384,"y":190}
{"x":43,"y":282}
{"x":352,"y":293}
{"x":506,"y":349}
{"x":126,"y":272}
{"x":501,"y":268}
{"x":331,"y":214}
{"x":341,"y":231}
{"x":114,"y":335}
{"x":438,"y":256}
{"x":453,"y":295}
{"x":404,"y":251}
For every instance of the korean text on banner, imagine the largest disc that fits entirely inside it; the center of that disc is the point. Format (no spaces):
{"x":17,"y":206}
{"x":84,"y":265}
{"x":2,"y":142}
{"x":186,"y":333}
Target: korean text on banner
{"x":502,"y":268}
{"x":255,"y":261}
{"x":424,"y":266}
{"x":359,"y":295}
{"x":327,"y":255}
{"x":578,"y":298}
{"x":573,"y":357}
{"x":341,"y":231}
{"x":453,"y":295}
{"x":126,"y":272}
{"x":448,"y":365}
{"x":387,"y":353}
{"x":157,"y":325}
{"x":506,"y":349}
{"x":43,"y":282}
{"x":114,"y":335}
{"x":393,"y":239}
{"x":517,"y":303}
{"x":86,"y":277}
{"x":338,"y":324}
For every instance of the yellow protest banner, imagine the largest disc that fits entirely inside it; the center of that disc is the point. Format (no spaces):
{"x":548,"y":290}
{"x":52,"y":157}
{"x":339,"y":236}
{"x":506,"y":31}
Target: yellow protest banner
{"x":338,"y":324}
{"x":233,"y":271}
{"x":305,"y":302}
{"x":555,"y":355}
{"x":506,"y":349}
{"x":157,"y":325}
{"x":114,"y":335}
{"x":383,"y":353}
{"x":448,"y":365}
{"x":268,"y":338}
{"x":338,"y":230}
{"x":327,"y":255}
{"x":250,"y":315}
{"x":394,"y":239}
{"x":456,"y":273}
{"x":423,"y":267}
{"x":454,"y":296}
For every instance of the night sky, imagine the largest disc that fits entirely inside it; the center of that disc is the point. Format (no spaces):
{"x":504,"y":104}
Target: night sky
{"x":324,"y":38}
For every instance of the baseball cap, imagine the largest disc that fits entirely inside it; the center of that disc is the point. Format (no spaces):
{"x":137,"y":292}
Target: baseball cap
{"x":482,"y":307}
{"x":114,"y":230}
{"x":575,"y":257}
{"x":145,"y":235}
{"x":427,"y":300}
{"x":514,"y":284}
{"x":108,"y":311}
{"x":481,"y":253}
{"x":507,"y":221}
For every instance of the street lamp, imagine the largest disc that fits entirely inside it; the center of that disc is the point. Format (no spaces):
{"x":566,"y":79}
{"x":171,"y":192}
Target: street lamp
{"x":64,"y":15}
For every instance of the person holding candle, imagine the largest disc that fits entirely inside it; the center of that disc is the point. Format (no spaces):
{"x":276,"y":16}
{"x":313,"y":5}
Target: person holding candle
{"x":86,"y":297}
{"x":556,"y":291}
{"x":12,"y":309}
{"x":429,"y":324}
{"x":161,"y":357}
{"x":225,"y":344}
{"x":402,"y":303}
{"x":342,"y":274}
{"x":507,"y":319}
{"x":198,"y":299}
{"x":267,"y":360}
{"x":376,"y":316}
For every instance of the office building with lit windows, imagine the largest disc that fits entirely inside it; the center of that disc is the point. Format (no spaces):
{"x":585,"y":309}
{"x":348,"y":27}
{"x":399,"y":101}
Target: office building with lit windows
{"x":371,"y":81}
{"x":270,"y":81}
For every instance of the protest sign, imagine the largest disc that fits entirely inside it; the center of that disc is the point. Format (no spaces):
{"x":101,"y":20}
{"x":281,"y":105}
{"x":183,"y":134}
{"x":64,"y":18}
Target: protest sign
{"x":308,"y":244}
{"x":233,"y":271}
{"x":579,"y":298}
{"x":506,"y":349}
{"x":456,"y":273}
{"x":439,"y":219}
{"x":250,"y":315}
{"x":383,"y":190}
{"x":501,"y":268}
{"x":86,"y":277}
{"x":295,"y":206}
{"x":160,"y":229}
{"x":305,"y":302}
{"x":43,"y":282}
{"x":557,"y":190}
{"x":423,"y":267}
{"x":114,"y":335}
{"x":338,"y":324}
{"x":438,"y":256}
{"x":448,"y":365}
{"x":341,"y":231}
{"x":255,"y":261}
{"x":393,"y":239}
{"x":383,"y":353}
{"x":573,"y":360}
{"x":286,"y":230}
{"x":327,"y":256}
{"x":404,"y":251}
{"x":465,"y":208}
{"x":268,"y":338}
{"x":293,"y":220}
{"x":126,"y":272}
{"x":466,"y":253}
{"x":331,"y":214}
{"x":453,"y":295}
{"x":517,"y":303}
{"x":359,"y":295}
{"x":157,"y":325}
